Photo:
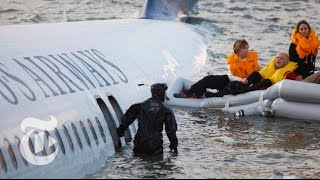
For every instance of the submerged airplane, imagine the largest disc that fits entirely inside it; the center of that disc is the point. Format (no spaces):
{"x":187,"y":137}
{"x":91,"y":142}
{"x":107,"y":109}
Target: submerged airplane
{"x":64,"y":86}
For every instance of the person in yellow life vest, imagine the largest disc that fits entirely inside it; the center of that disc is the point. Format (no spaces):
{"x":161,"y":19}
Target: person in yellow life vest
{"x":241,"y":63}
{"x":277,"y":69}
{"x":304,"y":49}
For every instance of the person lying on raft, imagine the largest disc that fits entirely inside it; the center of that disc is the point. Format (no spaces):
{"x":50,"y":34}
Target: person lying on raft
{"x":277,"y":69}
{"x":241,"y":63}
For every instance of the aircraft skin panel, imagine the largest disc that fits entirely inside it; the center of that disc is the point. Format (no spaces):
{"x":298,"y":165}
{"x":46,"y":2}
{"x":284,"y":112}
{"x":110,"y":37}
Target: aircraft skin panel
{"x":60,"y":70}
{"x":42,"y":73}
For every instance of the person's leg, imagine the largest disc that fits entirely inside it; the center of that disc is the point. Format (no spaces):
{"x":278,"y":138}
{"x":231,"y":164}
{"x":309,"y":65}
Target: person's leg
{"x":211,"y":81}
{"x":263,"y":84}
{"x":230,"y":88}
{"x":254,"y":78}
{"x":233,"y":87}
{"x":314,"y":78}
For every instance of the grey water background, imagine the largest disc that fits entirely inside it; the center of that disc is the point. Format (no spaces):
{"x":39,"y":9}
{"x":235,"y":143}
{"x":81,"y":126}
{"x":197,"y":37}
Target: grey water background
{"x":212,"y":144}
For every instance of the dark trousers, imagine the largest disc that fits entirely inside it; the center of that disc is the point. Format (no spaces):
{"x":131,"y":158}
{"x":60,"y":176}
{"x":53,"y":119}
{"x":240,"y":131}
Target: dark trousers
{"x":254,"y":78}
{"x":212,"y":81}
{"x":257,"y":81}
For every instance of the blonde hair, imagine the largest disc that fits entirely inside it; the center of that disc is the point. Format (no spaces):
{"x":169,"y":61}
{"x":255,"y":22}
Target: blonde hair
{"x":240,"y":43}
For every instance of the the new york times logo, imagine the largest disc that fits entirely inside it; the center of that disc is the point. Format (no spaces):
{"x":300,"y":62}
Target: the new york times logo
{"x":29,"y":126}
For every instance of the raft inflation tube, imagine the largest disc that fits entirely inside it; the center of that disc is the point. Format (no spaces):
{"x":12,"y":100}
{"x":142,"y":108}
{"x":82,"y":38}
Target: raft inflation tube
{"x":288,"y":98}
{"x":297,"y":100}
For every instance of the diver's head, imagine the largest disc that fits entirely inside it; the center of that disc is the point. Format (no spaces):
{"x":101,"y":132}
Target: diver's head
{"x":158,"y":91}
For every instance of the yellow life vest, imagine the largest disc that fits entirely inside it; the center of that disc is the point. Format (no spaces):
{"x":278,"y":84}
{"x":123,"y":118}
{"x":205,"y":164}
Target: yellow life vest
{"x":305,"y":46}
{"x":244,"y":68}
{"x":271,"y":72}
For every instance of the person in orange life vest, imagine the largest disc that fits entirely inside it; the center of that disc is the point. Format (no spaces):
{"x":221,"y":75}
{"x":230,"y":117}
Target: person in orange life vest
{"x":304,"y":49}
{"x":241,"y":63}
{"x":277,"y":69}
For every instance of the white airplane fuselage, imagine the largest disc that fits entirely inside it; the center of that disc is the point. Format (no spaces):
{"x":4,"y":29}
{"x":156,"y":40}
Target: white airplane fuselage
{"x":84,"y":75}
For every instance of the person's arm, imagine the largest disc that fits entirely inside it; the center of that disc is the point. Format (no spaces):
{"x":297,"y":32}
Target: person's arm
{"x":293,"y":55}
{"x":293,"y":76}
{"x":128,"y":118}
{"x":171,"y":128}
{"x":232,"y":77}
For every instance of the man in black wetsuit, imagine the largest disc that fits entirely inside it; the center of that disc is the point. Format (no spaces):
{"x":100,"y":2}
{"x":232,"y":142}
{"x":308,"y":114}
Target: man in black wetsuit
{"x":151,"y":114}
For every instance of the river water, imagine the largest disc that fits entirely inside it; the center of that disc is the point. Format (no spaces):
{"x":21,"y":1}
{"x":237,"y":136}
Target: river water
{"x":212,"y":144}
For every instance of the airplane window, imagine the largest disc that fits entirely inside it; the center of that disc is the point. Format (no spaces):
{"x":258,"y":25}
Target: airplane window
{"x":3,"y":162}
{"x":93,"y":132}
{"x":85,"y":133}
{"x":110,"y":122}
{"x":11,"y":154}
{"x":101,"y":130}
{"x":115,"y":106}
{"x":52,"y":148}
{"x":18,"y":143}
{"x":66,"y":132}
{"x":56,"y":132}
{"x":77,"y":135}
{"x":117,"y":109}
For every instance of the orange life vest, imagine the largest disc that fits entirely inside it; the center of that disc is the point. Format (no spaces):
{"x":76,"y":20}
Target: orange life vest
{"x":305,"y":46}
{"x":241,"y":68}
